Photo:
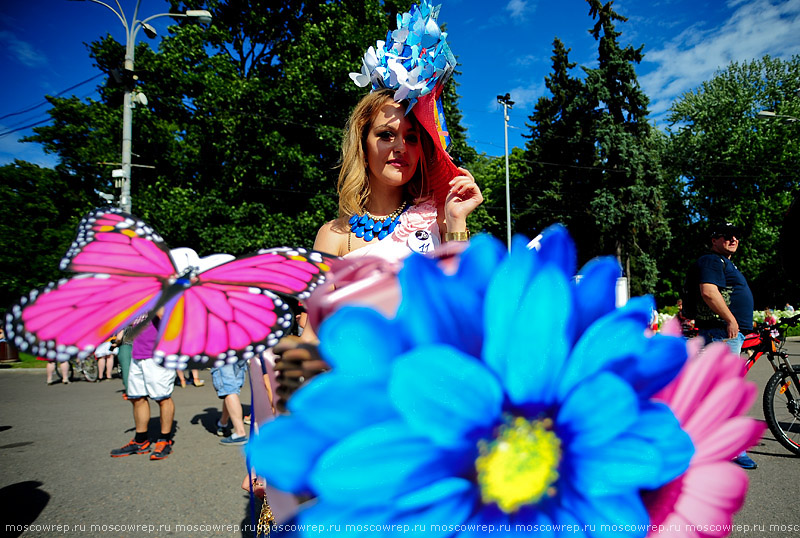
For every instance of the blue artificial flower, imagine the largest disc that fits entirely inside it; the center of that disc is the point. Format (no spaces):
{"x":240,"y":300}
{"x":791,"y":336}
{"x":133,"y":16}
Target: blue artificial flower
{"x":506,"y":394}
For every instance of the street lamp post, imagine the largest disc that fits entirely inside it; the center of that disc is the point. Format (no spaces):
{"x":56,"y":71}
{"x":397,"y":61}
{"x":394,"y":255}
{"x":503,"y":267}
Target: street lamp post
{"x":131,"y":29}
{"x":507,"y":103}
{"x":770,"y":115}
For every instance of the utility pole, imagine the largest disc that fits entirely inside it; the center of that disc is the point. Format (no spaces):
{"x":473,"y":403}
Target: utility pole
{"x":507,"y":103}
{"x":132,"y":27}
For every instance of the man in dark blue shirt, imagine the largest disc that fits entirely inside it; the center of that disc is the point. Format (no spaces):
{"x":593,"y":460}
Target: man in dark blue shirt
{"x":726,"y":309}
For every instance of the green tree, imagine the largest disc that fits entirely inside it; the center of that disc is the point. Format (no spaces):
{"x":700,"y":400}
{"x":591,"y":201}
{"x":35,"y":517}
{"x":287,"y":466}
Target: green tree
{"x":594,"y":159}
{"x":240,"y":138}
{"x":628,"y":206}
{"x":560,"y":155}
{"x":737,"y":167}
{"x":41,"y":210}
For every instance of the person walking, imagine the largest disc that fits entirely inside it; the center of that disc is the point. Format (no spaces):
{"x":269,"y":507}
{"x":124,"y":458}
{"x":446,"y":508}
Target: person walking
{"x":726,"y":306}
{"x":228,"y":380}
{"x":147,"y":379}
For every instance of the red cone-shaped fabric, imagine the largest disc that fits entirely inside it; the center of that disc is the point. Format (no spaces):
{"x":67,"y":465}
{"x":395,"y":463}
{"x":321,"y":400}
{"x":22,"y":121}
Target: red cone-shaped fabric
{"x":439,"y":167}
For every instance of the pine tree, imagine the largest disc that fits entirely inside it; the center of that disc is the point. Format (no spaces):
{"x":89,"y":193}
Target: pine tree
{"x":627,"y":205}
{"x":559,"y":154}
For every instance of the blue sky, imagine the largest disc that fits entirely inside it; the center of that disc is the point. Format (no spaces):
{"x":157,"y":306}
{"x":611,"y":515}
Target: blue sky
{"x":502,"y":46}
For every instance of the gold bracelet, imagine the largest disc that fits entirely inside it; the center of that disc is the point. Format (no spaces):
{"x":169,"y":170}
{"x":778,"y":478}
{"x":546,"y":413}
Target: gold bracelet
{"x":457,"y":236}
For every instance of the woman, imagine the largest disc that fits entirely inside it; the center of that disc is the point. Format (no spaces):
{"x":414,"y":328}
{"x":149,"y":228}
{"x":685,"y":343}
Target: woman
{"x":105,"y":359}
{"x":399,"y":191}
{"x":384,"y":175}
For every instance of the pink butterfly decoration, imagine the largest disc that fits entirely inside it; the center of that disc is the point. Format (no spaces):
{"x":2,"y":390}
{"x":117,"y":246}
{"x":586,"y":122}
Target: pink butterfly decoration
{"x":125,"y":270}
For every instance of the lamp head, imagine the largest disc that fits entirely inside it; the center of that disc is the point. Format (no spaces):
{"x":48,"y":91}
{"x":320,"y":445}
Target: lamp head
{"x":149,"y":30}
{"x":201,"y":15}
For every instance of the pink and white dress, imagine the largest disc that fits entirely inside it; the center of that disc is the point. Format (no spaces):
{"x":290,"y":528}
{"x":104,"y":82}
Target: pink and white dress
{"x":416,"y":231}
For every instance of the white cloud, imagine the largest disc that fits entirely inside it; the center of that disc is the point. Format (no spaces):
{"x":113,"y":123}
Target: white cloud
{"x":529,"y":59}
{"x":518,"y":10}
{"x":524,"y":98}
{"x":22,"y":51}
{"x":754,"y":29}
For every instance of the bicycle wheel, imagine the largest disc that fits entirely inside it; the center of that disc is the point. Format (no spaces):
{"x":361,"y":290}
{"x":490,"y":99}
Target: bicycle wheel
{"x":782,"y":409}
{"x":89,"y":368}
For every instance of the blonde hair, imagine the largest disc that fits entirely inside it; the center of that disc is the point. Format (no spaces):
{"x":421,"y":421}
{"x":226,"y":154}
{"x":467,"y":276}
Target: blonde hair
{"x":353,"y":184}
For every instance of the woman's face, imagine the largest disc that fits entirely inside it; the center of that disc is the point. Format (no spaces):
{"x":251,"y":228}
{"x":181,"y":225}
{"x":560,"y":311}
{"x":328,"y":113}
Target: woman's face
{"x":393,"y":146}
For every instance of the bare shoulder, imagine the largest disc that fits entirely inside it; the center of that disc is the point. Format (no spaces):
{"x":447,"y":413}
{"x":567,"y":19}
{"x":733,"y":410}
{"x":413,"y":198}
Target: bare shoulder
{"x":332,"y":238}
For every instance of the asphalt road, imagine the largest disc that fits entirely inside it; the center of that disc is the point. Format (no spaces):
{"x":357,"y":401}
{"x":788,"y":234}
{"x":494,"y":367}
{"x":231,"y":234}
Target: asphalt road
{"x":771,"y":509}
{"x":55,"y":467}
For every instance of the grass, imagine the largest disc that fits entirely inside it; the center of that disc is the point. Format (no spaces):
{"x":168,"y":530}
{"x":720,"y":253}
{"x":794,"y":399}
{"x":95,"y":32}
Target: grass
{"x":28,"y":361}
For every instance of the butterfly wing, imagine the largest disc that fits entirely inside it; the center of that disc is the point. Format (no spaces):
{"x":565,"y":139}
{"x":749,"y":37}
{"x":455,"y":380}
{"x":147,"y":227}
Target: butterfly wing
{"x":232,"y":310}
{"x":124,"y":268}
{"x":211,"y":324}
{"x":292,"y":271}
{"x":226,"y":312}
{"x":111,"y":241}
{"x":71,"y":317}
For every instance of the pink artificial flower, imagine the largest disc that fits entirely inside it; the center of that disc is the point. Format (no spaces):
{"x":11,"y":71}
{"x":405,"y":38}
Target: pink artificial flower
{"x":418,"y":217}
{"x":709,"y":398}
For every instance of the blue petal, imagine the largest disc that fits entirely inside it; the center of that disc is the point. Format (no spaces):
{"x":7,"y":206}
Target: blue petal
{"x":556,"y":247}
{"x":479,"y":261}
{"x":533,"y":521}
{"x":430,"y":511}
{"x":615,"y":338}
{"x":626,"y":463}
{"x":434,"y":309}
{"x":508,"y":285}
{"x":596,"y":291}
{"x":341,"y":520}
{"x":359,"y":342}
{"x":284,"y":452}
{"x":658,"y":426}
{"x":447,"y":512}
{"x":664,"y":357}
{"x":596,"y":411}
{"x":456,"y":395}
{"x":437,"y":492}
{"x":568,"y":522}
{"x":527,"y":350}
{"x":375,"y":465}
{"x":612,"y":517}
{"x":489,"y":519}
{"x":362,"y":404}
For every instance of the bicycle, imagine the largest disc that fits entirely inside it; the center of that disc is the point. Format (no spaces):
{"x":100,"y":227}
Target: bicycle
{"x":781,"y":399}
{"x":86,"y":366}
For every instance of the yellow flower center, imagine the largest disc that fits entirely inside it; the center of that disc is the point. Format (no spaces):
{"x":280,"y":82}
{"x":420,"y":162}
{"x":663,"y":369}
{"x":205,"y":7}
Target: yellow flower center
{"x":520,"y":465}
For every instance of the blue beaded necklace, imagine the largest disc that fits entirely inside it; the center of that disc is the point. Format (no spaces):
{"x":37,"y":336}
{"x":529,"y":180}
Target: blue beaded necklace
{"x":368,"y":227}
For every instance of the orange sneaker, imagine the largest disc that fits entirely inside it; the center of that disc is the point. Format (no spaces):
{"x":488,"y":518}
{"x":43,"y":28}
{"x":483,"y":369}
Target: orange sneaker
{"x":162,"y":450}
{"x":131,"y":448}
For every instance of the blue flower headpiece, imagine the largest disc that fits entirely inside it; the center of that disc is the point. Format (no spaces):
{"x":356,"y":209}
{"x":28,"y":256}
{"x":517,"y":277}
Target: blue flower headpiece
{"x":413,"y":59}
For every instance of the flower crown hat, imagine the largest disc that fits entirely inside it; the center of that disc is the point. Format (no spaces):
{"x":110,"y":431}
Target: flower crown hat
{"x":416,"y":61}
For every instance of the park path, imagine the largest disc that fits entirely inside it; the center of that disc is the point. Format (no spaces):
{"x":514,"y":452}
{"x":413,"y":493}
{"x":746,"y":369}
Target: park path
{"x":55,"y":467}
